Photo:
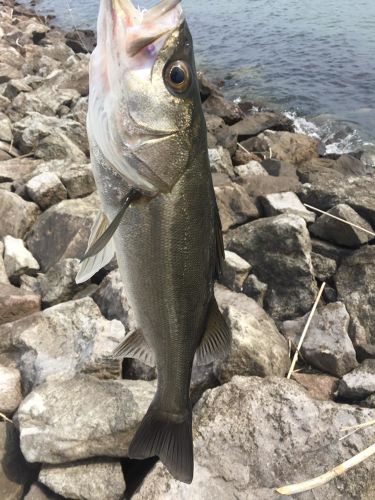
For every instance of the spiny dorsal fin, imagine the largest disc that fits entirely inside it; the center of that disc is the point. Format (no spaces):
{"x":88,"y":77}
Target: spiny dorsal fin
{"x":216,"y":341}
{"x":92,"y":265}
{"x":135,"y":346}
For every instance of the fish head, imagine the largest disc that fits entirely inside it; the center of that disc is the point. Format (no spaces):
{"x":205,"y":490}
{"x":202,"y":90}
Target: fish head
{"x":144,"y":103}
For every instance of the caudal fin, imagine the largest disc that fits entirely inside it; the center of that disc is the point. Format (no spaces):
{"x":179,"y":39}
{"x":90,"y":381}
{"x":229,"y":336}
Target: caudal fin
{"x":169,"y":438}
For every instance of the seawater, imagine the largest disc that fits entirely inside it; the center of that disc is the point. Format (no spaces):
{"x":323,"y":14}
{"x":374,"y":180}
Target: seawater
{"x":314,"y":60}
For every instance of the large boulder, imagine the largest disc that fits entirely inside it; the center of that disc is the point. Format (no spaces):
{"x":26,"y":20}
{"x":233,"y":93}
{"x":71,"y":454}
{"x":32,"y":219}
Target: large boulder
{"x":235,"y":206}
{"x":284,"y":262}
{"x":257,"y":346}
{"x":256,"y":123}
{"x":327,"y":345}
{"x":16,"y":215}
{"x":81,"y":418}
{"x":63,"y":231}
{"x":246,"y":436}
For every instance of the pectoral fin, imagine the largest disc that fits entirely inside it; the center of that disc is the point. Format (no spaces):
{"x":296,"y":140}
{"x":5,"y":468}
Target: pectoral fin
{"x":135,"y":346}
{"x":91,"y":265}
{"x":216,"y":341}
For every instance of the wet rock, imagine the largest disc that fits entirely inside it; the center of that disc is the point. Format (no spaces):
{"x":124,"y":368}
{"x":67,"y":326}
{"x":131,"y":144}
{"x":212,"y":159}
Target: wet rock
{"x":251,"y":168}
{"x":17,"y":258}
{"x":88,"y":480}
{"x":217,"y":105}
{"x":284,"y":263}
{"x":285,"y":146}
{"x":5,"y":128}
{"x":360,"y":383}
{"x":235,"y":206}
{"x":285,"y":203}
{"x":46,"y":190}
{"x":53,"y":418}
{"x":257,"y":346}
{"x":220,"y":161}
{"x":324,"y":268}
{"x":85,"y":338}
{"x":16,"y":215}
{"x":327,"y":345}
{"x":355,"y":284}
{"x":255,"y":289}
{"x":227,"y":418}
{"x":58,"y":284}
{"x":79,"y":181}
{"x":319,"y":386}
{"x":16,"y":303}
{"x":10,"y":390}
{"x":63,"y":231}
{"x":256,"y":123}
{"x":235,"y":271}
{"x":14,"y":474}
{"x":339,"y":233}
{"x":112,"y":300}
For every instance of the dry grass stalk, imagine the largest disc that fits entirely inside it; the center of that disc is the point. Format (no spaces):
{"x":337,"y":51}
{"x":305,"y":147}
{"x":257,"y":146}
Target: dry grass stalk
{"x":293,"y":489}
{"x":4,"y":417}
{"x":295,"y":358}
{"x":263,"y":153}
{"x":355,"y":428}
{"x":339,"y":219}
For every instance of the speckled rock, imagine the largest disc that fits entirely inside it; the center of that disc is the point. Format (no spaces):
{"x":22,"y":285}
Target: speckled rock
{"x":10,"y":390}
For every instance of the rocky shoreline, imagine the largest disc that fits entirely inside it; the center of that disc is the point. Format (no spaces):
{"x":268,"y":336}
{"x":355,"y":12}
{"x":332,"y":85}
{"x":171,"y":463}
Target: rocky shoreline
{"x":72,"y":413}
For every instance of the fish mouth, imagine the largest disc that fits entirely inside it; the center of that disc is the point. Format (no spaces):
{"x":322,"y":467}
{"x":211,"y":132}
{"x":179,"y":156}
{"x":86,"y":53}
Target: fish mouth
{"x":144,"y":27}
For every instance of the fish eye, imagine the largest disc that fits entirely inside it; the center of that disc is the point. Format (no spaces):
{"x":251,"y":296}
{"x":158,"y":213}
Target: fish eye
{"x":177,"y":76}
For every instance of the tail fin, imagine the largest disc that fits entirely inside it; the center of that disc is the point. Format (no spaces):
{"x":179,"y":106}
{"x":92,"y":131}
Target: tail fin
{"x":170,"y":438}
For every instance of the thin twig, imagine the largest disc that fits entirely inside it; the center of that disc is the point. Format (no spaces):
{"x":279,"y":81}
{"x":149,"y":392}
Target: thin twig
{"x":255,"y":152}
{"x":355,"y":428}
{"x":5,"y":418}
{"x":341,"y":220}
{"x":295,"y":358}
{"x":293,"y":489}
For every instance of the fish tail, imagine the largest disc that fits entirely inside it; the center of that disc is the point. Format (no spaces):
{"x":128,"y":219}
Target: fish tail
{"x":168,"y":437}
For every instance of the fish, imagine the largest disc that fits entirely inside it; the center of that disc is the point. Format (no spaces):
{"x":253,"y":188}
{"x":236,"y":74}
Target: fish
{"x":159,"y":216}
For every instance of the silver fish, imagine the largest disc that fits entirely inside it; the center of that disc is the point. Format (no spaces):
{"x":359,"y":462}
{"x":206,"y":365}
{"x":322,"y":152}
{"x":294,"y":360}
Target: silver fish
{"x":159,"y":214}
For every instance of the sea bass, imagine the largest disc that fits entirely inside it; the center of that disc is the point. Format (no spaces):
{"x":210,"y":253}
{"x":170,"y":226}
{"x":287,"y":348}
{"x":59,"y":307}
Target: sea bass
{"x":159,"y":215}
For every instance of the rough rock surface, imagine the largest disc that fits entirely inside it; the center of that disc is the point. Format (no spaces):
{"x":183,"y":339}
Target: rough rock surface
{"x":17,"y":258}
{"x":10,"y":390}
{"x":235,"y":206}
{"x":63,"y":231}
{"x":255,"y":289}
{"x":78,"y":180}
{"x":3,"y":273}
{"x":360,"y":383}
{"x":318,"y":385}
{"x":253,"y":419}
{"x":327,"y":345}
{"x":40,"y":492}
{"x":285,"y":203}
{"x":16,"y":215}
{"x":81,"y":418}
{"x":324,"y":268}
{"x":257,"y":346}
{"x":235,"y":271}
{"x":284,"y":263}
{"x":84,"y":338}
{"x":89,"y":480}
{"x":16,"y":303}
{"x":46,"y":190}
{"x":355,"y":283}
{"x":254,"y":124}
{"x":220,"y":161}
{"x":339,"y":233}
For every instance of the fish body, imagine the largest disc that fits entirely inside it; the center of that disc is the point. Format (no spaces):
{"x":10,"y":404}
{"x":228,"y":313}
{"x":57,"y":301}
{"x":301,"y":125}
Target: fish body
{"x":168,"y":241}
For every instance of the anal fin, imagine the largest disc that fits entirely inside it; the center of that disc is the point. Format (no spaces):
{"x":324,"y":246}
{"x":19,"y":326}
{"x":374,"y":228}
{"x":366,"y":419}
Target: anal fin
{"x":135,"y":346}
{"x":216,"y":341}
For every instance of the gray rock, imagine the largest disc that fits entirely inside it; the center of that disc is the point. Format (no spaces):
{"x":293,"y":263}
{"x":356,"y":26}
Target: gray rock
{"x":5,"y":128}
{"x":278,"y":168}
{"x":63,"y":231}
{"x":253,"y":419}
{"x":324,"y":268}
{"x":220,"y":161}
{"x":3,"y":273}
{"x":81,"y":418}
{"x":46,"y":190}
{"x":17,"y":169}
{"x":16,"y":303}
{"x":261,"y":185}
{"x":250,"y":168}
{"x":235,"y":206}
{"x":327,"y":345}
{"x":60,"y":342}
{"x":284,"y":262}
{"x":339,"y":233}
{"x":257,"y":346}
{"x":329,"y":250}
{"x":14,"y":87}
{"x":256,"y":123}
{"x":46,"y":100}
{"x":285,"y":203}
{"x":40,"y":492}
{"x":112,"y":300}
{"x":79,"y":181}
{"x":10,"y":390}
{"x":217,"y":105}
{"x":360,"y":383}
{"x":235,"y":271}
{"x":355,"y":284}
{"x":17,"y":258}
{"x":14,"y":474}
{"x":16,"y":215}
{"x":89,"y":480}
{"x":255,"y":289}
{"x":8,"y":72}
